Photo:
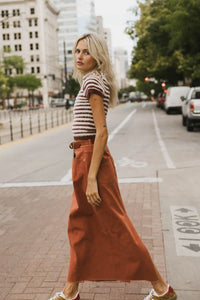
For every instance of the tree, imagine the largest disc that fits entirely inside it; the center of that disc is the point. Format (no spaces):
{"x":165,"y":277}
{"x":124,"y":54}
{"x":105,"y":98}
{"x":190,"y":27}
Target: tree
{"x":168,"y":40}
{"x":3,"y":87}
{"x":73,"y":86}
{"x":29,"y":82}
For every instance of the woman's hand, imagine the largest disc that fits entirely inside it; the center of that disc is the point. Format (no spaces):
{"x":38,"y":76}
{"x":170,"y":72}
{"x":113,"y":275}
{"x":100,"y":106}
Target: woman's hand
{"x":92,"y":193}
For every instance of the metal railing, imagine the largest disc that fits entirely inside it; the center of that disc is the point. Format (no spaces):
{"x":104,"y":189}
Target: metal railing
{"x":15,"y":125}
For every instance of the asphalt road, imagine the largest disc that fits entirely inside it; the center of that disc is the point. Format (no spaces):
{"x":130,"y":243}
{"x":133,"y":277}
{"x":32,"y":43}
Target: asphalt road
{"x":147,"y":146}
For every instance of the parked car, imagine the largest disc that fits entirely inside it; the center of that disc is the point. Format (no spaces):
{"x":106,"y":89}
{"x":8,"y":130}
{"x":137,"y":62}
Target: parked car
{"x":191,"y":109}
{"x":173,"y":98}
{"x":58,"y":102}
{"x":161,"y":99}
{"x":136,"y":96}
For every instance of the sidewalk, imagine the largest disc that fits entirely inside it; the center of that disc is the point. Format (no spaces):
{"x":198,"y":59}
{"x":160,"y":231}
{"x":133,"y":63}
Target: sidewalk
{"x":34,"y":248}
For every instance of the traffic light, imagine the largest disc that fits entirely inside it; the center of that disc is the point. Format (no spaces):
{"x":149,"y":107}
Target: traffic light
{"x":146,"y":79}
{"x":163,"y":84}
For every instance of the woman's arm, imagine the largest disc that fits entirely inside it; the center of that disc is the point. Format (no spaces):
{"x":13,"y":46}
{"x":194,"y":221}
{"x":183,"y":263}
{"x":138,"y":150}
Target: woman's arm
{"x":97,"y":106}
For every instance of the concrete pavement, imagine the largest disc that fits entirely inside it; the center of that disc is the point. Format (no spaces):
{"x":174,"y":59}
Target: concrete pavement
{"x":34,"y":248}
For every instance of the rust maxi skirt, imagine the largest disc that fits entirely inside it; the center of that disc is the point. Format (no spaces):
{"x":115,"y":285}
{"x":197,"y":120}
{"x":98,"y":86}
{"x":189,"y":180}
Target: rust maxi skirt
{"x":104,"y":245}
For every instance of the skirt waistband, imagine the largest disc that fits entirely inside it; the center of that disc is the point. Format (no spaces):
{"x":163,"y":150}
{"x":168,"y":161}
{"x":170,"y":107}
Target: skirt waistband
{"x":78,"y":144}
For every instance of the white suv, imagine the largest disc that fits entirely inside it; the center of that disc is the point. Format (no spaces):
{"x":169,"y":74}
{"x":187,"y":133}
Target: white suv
{"x":191,"y":108}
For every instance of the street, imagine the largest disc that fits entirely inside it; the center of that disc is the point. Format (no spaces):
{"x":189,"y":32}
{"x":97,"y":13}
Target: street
{"x":158,"y":166}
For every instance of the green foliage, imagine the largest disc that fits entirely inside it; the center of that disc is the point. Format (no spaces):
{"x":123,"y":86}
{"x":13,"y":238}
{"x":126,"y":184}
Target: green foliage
{"x":126,"y":90}
{"x":73,"y":86}
{"x":168,"y":40}
{"x":28,"y":81}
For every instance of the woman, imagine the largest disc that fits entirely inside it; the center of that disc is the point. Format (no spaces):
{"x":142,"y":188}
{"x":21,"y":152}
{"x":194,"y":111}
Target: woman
{"x":104,"y":243}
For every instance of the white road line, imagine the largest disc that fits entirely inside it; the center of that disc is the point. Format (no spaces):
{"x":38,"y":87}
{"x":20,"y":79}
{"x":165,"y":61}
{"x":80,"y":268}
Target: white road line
{"x":115,"y":131}
{"x":67,"y":177}
{"x":69,"y":182}
{"x":140,"y":180}
{"x":165,"y":153}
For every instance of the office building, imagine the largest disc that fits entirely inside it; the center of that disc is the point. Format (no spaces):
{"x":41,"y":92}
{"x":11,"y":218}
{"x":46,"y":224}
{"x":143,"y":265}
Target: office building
{"x":29,"y":29}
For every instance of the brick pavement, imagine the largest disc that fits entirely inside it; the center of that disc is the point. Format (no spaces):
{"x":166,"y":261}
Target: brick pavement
{"x":34,"y":249}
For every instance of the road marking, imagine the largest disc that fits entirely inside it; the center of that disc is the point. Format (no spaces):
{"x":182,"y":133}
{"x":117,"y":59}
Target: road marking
{"x":125,"y":161}
{"x":115,"y":131}
{"x":69,"y":182}
{"x":67,"y":177}
{"x":186,"y":227}
{"x":140,"y":180}
{"x":143,"y":104}
{"x":163,"y":148}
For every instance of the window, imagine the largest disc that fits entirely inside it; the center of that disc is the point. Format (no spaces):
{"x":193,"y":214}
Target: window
{"x":6,"y":37}
{"x":16,"y":24}
{"x":30,"y":22}
{"x":36,"y":34}
{"x":18,"y":47}
{"x":37,"y":58}
{"x":14,"y":13}
{"x":37,"y":46}
{"x":5,"y":24}
{"x":30,"y":35}
{"x":6,"y":48}
{"x":32,"y":70}
{"x":17,"y":36}
{"x":32,"y":11}
{"x":38,"y":69}
{"x":4,"y":13}
{"x":32,"y":58}
{"x":19,"y":71}
{"x":36,"y":22}
{"x":18,"y":12}
{"x":31,"y":46}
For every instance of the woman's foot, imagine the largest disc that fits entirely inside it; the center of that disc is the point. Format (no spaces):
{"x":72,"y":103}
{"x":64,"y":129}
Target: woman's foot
{"x":61,"y":296}
{"x":168,"y":295}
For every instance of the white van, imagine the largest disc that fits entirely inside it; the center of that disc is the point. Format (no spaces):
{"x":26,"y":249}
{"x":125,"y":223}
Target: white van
{"x":173,"y":98}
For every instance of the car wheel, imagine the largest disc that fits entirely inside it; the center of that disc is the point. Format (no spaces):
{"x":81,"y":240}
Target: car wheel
{"x":190,"y":126}
{"x":168,"y":111}
{"x":184,"y":120}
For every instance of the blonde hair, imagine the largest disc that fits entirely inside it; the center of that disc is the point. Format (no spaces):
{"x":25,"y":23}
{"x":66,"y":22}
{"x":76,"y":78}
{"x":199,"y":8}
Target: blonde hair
{"x":99,"y":51}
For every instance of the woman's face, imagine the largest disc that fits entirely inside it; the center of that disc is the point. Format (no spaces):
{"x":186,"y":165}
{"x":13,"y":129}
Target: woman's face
{"x":84,"y":61}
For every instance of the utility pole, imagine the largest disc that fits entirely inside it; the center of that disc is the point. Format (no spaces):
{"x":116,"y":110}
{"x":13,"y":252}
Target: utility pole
{"x":65,"y":66}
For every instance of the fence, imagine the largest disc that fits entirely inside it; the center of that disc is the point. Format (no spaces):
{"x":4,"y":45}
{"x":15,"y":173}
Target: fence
{"x":19,"y":124}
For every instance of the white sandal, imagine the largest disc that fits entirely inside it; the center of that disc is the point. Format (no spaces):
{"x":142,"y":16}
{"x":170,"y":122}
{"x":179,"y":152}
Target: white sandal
{"x":61,"y":296}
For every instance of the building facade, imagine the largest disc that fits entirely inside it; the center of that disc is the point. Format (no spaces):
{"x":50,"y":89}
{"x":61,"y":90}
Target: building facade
{"x":121,"y":67}
{"x":76,"y":18}
{"x":29,"y":29}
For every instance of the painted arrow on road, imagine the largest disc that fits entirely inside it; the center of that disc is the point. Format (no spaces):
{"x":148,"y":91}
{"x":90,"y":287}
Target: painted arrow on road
{"x":193,"y":247}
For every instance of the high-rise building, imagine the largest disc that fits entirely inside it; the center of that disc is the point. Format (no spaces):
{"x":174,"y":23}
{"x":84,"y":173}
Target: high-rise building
{"x":29,"y":29}
{"x":121,"y":67}
{"x":105,"y":33}
{"x":76,"y":17}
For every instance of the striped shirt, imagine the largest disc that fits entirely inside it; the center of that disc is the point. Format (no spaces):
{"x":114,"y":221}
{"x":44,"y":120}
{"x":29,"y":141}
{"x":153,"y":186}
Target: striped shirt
{"x":83,"y":124}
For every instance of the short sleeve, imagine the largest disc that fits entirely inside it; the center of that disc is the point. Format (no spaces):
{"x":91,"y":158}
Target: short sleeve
{"x":93,"y":85}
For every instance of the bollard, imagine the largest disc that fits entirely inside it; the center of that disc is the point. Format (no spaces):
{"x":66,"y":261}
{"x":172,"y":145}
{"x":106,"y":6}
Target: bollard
{"x":45,"y":118}
{"x":39,"y":130}
{"x":52,"y":119}
{"x":57,"y":117}
{"x":62,"y":117}
{"x":30,"y":121}
{"x":11,"y":128}
{"x":21,"y":121}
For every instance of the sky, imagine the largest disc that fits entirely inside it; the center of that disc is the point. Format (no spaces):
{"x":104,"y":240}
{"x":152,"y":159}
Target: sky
{"x":115,"y":13}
